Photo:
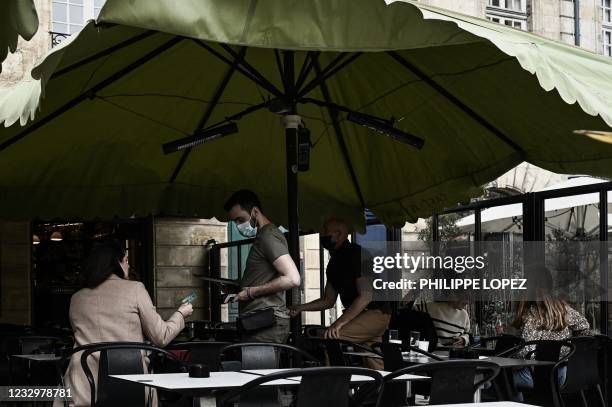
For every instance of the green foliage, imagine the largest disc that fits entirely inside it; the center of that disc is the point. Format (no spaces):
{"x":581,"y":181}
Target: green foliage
{"x":447,"y":226}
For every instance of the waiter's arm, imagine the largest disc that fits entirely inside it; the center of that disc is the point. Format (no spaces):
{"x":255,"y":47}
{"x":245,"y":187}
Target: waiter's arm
{"x":359,"y":304}
{"x":326,"y":302}
{"x":289,"y":277}
{"x":364,"y":297}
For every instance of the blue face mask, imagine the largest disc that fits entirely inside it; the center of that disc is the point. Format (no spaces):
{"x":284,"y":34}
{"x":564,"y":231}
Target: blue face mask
{"x":246,"y":229}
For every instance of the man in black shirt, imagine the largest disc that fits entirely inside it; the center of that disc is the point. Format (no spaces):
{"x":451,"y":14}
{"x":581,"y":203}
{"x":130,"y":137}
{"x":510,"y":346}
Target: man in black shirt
{"x":363,"y":321}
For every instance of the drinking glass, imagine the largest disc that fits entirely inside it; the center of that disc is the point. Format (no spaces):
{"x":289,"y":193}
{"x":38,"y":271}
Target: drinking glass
{"x":415,"y":336}
{"x":394,"y":336}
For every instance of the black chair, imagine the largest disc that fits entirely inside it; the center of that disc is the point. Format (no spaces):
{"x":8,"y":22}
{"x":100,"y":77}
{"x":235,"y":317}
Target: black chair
{"x":121,"y":358}
{"x":545,"y":378}
{"x":604,"y":363}
{"x":314,"y":331}
{"x":395,"y":393}
{"x":226,"y":332}
{"x":394,"y":359}
{"x":205,"y":352}
{"x":502,"y":343}
{"x":29,"y":345}
{"x":263,"y":355}
{"x":413,"y":320}
{"x":66,"y":354}
{"x":334,"y":351}
{"x":9,"y":345}
{"x":22,"y":371}
{"x":308,"y":340}
{"x":318,"y":387}
{"x":582,"y":370}
{"x":452,"y":381}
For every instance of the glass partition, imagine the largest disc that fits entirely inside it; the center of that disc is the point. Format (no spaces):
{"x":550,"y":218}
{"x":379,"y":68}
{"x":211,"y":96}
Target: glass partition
{"x":503,"y":224}
{"x":568,"y":219}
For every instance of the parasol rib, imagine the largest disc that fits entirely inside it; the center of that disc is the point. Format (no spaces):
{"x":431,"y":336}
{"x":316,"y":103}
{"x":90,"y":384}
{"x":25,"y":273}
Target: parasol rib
{"x":455,"y":101}
{"x":209,"y":110}
{"x":333,"y":113}
{"x":104,"y":53}
{"x":328,"y":73}
{"x":250,"y":68}
{"x":90,"y":92}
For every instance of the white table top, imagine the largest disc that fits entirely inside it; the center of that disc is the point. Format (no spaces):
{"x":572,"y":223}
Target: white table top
{"x":354,"y":378}
{"x":226,"y":380}
{"x":492,"y":404}
{"x":39,"y":357}
{"x":182,"y":381}
{"x":501,"y":361}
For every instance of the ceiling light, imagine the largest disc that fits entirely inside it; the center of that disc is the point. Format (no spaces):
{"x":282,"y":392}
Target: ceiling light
{"x":57,"y":236}
{"x":200,"y":138}
{"x":35,"y":239}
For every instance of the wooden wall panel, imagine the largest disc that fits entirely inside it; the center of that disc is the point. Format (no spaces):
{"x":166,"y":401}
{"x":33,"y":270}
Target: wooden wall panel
{"x":180,"y":254}
{"x":15,"y":271}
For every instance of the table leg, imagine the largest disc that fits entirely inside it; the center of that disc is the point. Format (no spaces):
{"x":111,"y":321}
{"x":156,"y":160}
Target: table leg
{"x":477,"y":395}
{"x":205,"y":401}
{"x":507,"y":388}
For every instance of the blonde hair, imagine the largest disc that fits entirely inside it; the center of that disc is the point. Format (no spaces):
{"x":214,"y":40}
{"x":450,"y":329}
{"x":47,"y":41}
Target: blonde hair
{"x":549,"y":314}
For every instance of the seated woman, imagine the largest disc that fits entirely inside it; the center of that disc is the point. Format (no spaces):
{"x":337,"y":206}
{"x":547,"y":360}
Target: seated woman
{"x":450,"y":319}
{"x":546,"y":318}
{"x":113,"y":309}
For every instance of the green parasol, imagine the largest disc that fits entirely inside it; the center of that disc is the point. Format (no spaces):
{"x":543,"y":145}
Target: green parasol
{"x":370,"y":81}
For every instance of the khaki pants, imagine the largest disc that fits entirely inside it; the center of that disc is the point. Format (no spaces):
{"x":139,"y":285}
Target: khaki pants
{"x":367,"y":328}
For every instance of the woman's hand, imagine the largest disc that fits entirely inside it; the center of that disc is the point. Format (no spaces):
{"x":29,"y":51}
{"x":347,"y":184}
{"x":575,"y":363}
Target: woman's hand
{"x":186,"y":309}
{"x":458,"y":342}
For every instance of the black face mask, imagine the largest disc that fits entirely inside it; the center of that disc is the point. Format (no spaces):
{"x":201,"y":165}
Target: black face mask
{"x":327,"y":242}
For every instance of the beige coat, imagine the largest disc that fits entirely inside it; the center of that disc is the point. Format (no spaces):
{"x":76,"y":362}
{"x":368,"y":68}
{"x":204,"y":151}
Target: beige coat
{"x":116,"y":310}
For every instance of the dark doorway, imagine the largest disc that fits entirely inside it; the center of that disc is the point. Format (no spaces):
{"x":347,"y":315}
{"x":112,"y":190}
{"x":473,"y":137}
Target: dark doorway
{"x":59,"y":251}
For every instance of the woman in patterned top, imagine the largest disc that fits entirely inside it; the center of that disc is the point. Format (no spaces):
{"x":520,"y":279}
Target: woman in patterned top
{"x":547,"y":318}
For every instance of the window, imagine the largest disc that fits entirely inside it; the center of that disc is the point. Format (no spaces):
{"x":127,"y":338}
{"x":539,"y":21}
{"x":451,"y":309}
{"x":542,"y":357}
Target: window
{"x":606,"y":33}
{"x":69,"y":16}
{"x":607,"y":42}
{"x":512,"y":13}
{"x":97,"y":7}
{"x":515,"y":5}
{"x":511,"y":22}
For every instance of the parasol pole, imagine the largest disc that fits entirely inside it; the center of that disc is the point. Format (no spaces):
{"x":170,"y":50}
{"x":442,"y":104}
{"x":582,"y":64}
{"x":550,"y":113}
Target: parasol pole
{"x":291,"y":123}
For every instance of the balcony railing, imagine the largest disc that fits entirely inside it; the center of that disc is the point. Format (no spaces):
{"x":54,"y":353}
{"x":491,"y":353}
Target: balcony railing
{"x":57,"y":37}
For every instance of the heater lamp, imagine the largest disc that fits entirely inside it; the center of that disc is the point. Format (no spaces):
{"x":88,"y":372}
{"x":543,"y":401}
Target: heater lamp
{"x":200,"y":138}
{"x":385,"y":128}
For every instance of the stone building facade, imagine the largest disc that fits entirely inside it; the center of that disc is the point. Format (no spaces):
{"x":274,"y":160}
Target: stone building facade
{"x":559,"y":20}
{"x":554,"y":19}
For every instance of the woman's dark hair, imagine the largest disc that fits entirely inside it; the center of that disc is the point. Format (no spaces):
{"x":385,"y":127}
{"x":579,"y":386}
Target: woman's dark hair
{"x":104,"y":260}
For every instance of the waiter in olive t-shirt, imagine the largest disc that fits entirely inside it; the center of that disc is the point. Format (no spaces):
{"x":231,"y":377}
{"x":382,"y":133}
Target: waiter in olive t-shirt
{"x":270,"y":270}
